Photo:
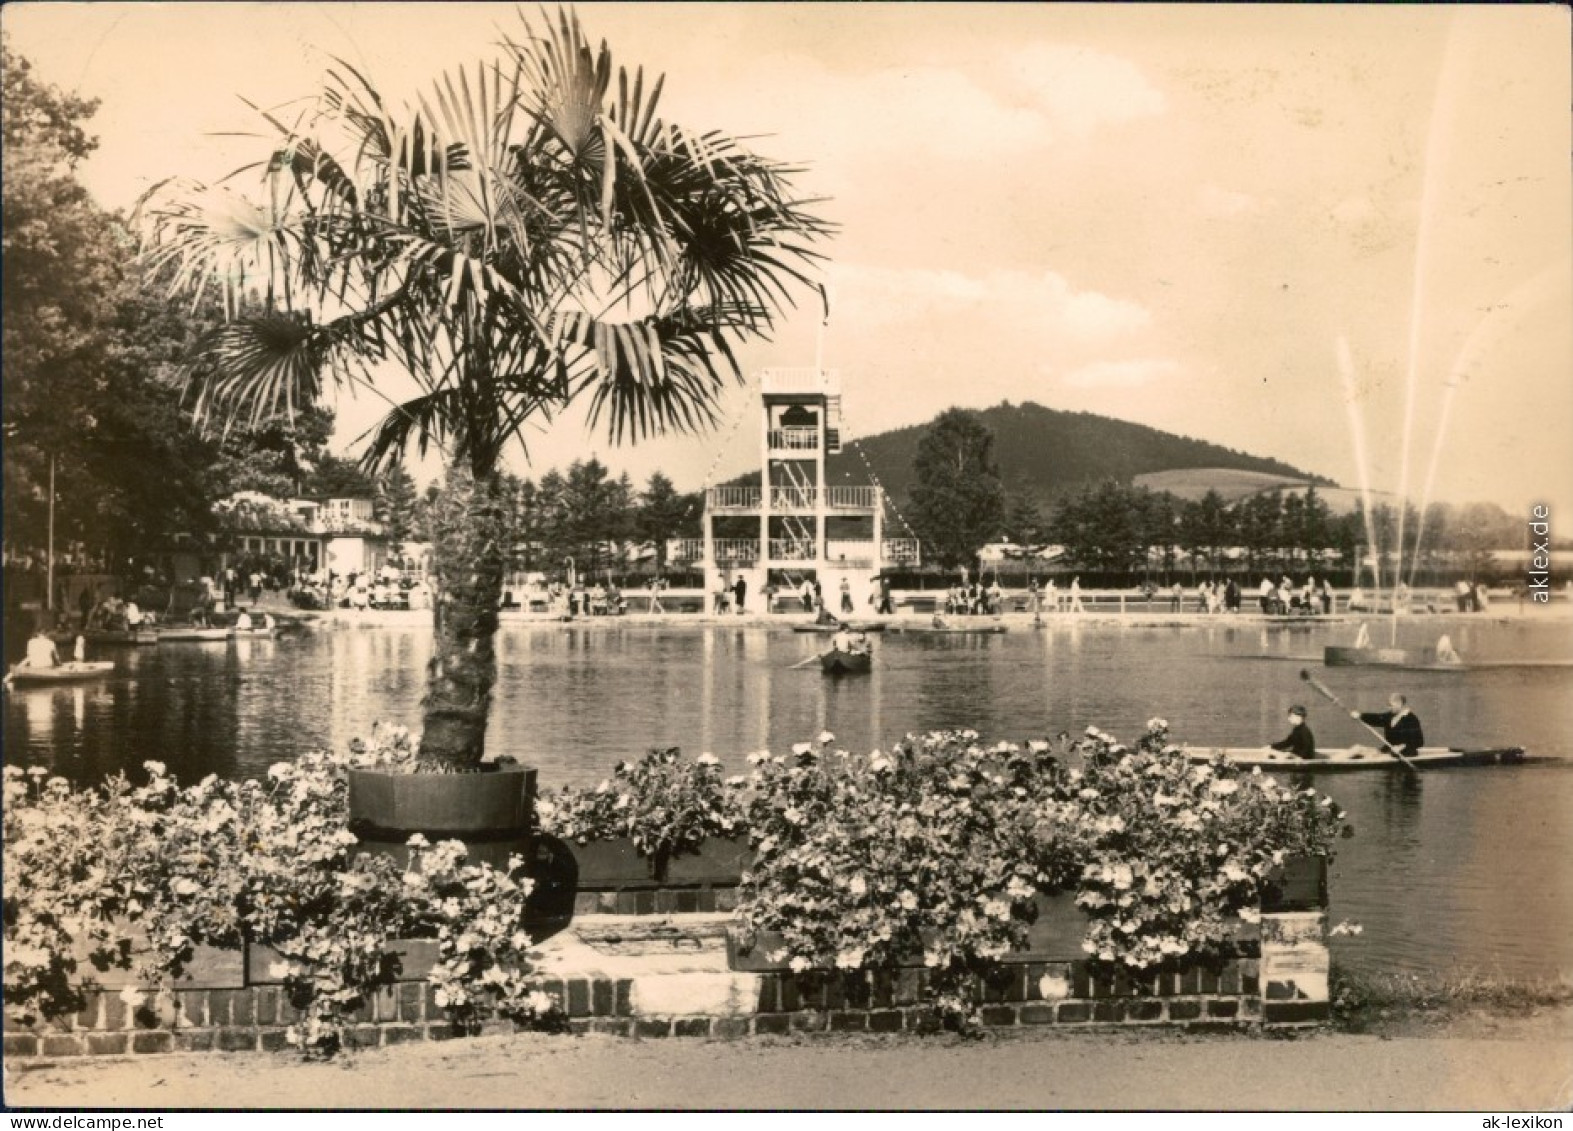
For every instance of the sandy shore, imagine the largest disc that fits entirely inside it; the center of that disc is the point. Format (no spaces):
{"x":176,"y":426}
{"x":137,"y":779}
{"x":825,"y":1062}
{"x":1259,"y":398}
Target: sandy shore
{"x":1479,"y":1062}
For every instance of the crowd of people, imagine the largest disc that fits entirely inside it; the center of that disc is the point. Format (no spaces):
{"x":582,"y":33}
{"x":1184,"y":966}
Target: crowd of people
{"x":387,"y":588}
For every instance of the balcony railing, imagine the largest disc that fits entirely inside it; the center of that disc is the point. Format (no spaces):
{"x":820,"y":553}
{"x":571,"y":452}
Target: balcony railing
{"x":685,"y":549}
{"x":792,"y":549}
{"x":736,"y":551}
{"x":796,"y":439}
{"x":801,"y":379}
{"x":902,"y":551}
{"x":734,"y":498}
{"x":853,"y":498}
{"x":792,"y":498}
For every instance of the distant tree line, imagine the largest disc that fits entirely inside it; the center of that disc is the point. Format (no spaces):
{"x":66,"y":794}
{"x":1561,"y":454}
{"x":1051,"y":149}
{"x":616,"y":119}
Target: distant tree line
{"x":1120,"y":534}
{"x":583,"y":514}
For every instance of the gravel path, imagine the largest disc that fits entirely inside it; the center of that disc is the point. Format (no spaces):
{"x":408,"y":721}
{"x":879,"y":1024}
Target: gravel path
{"x":1479,"y":1063}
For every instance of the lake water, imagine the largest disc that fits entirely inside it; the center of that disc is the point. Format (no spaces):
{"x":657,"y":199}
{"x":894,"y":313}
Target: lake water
{"x":1454,"y":870}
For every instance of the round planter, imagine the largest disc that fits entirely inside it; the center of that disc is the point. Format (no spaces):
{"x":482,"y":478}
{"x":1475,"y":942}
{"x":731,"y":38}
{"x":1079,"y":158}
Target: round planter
{"x":492,"y":812}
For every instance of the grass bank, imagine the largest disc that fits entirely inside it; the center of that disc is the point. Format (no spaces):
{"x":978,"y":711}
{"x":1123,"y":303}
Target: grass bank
{"x":1365,"y":1000}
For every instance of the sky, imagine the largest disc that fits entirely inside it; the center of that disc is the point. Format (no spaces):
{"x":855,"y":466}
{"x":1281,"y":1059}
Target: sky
{"x":1297,"y":231}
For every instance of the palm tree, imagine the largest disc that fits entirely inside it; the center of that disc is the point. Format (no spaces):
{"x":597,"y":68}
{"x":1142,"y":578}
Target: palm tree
{"x":528,"y":234}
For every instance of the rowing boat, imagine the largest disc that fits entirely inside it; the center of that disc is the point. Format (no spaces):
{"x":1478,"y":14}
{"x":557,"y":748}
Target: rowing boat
{"x":70,"y":672}
{"x":109,"y":636}
{"x":1341,"y":656}
{"x":1356,"y":758}
{"x":955,"y":630}
{"x":851,"y":626}
{"x":836,"y":662}
{"x":192,"y":635}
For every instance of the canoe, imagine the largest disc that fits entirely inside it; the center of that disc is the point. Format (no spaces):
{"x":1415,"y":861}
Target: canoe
{"x":190,"y":635}
{"x":253,"y":633}
{"x":1357,"y":758}
{"x":956,"y":630}
{"x":113,"y":637}
{"x":1341,"y":656}
{"x":62,"y":673}
{"x":852,"y":626}
{"x":846,"y":663}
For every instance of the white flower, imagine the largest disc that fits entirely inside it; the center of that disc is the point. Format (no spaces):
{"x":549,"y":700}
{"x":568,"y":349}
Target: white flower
{"x":133,"y":997}
{"x":707,"y":759}
{"x":850,"y":958}
{"x":908,"y":901}
{"x":417,"y":841}
{"x":802,"y":747}
{"x":1157,"y":724}
{"x":825,"y":738}
{"x":154,"y":769}
{"x":858,"y":886}
{"x":1224,"y":786}
{"x":1250,"y":915}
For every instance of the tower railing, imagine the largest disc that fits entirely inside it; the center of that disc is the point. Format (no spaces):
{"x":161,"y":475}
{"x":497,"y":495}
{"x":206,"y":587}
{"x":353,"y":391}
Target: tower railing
{"x":793,"y":498}
{"x":853,"y":498}
{"x":793,"y":439}
{"x":800,"y":379}
{"x":733,"y":498}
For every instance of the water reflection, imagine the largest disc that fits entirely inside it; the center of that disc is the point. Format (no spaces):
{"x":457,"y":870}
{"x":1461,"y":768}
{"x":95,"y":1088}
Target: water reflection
{"x":1461,"y":869}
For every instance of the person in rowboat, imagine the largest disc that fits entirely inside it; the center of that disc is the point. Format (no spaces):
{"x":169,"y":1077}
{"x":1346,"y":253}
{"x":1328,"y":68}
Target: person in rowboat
{"x":1400,"y":726}
{"x":850,"y":642}
{"x":1300,"y":741}
{"x":41,"y":651}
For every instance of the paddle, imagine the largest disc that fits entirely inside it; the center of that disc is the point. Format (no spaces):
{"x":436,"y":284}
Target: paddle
{"x":812,"y":659}
{"x":1380,"y":737}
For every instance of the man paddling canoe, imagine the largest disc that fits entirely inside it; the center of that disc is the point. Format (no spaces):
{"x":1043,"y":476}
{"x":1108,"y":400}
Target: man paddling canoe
{"x":1400,"y":726}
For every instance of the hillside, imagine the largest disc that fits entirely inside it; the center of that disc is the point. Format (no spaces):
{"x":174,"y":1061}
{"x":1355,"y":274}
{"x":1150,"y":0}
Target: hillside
{"x":1052,"y":453}
{"x":1232,"y":485}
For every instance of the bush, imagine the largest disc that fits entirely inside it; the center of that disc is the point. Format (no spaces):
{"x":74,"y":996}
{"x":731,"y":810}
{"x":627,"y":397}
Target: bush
{"x":136,"y":877}
{"x":938,"y":848}
{"x":665,"y":805}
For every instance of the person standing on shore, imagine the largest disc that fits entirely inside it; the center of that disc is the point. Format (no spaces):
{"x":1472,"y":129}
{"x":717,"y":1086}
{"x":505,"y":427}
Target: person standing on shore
{"x":1075,"y":605}
{"x":846,"y":595}
{"x":1400,"y":726}
{"x":740,"y":593}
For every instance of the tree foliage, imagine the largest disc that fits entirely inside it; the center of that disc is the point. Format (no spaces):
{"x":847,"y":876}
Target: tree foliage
{"x":958,"y":503}
{"x":527,"y":234}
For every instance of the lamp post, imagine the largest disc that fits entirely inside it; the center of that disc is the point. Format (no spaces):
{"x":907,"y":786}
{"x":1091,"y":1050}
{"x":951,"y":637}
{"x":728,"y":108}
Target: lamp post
{"x":49,"y":567}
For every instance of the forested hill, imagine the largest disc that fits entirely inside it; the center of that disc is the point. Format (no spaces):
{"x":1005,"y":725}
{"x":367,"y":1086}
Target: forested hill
{"x":1050,"y":454}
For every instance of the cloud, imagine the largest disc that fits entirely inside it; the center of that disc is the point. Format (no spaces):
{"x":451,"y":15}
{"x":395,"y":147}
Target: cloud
{"x":1030,"y":305}
{"x":1028,"y":100}
{"x":1077,"y":91}
{"x":1128,"y":374}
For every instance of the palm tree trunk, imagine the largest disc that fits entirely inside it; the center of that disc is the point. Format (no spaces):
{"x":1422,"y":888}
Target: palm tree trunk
{"x":470,"y":556}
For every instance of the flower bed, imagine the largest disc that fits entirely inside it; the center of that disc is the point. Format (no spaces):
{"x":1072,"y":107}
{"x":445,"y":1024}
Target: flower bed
{"x":660,"y":835}
{"x":939,"y":851}
{"x":139,"y":877}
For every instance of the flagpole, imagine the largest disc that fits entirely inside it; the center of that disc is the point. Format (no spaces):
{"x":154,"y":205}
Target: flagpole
{"x":49,"y":575}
